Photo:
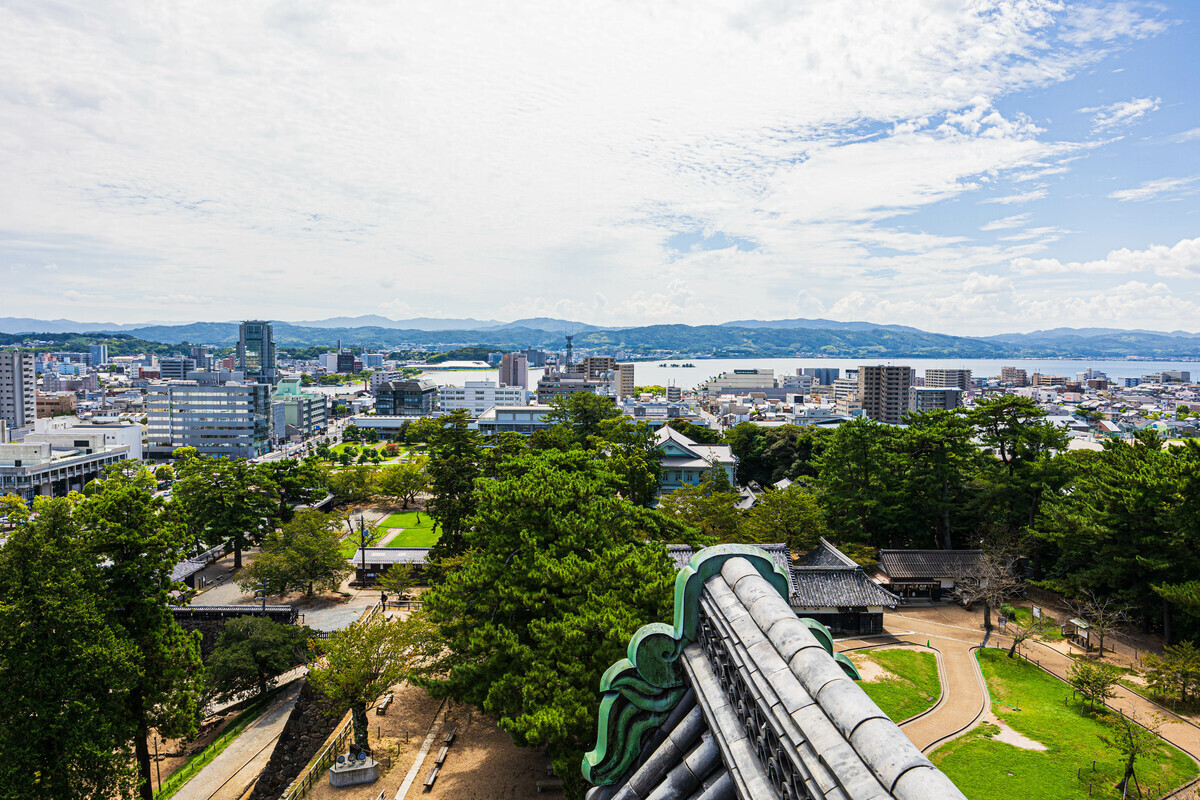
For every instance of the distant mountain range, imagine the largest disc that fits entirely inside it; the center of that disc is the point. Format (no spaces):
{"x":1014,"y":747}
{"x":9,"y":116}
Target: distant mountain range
{"x":740,"y":338}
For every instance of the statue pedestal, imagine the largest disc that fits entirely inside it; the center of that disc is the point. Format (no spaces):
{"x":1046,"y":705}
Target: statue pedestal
{"x":353,"y":773}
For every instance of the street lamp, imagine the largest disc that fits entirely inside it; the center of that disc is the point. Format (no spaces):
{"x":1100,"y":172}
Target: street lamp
{"x":364,"y":537}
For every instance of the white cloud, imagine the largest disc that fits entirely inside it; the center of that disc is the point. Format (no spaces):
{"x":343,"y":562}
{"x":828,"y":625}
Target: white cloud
{"x":1023,"y":197}
{"x":1015,"y":221}
{"x":502,"y":160}
{"x":1180,"y":260}
{"x":1150,"y":190}
{"x":1122,"y":113}
{"x":1186,"y":136}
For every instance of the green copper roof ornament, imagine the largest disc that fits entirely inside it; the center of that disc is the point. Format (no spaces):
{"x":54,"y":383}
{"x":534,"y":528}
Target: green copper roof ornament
{"x":641,"y":690}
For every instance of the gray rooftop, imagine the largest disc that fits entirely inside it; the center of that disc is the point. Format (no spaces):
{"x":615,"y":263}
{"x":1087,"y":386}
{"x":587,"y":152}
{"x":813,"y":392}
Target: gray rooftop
{"x":927,"y":564}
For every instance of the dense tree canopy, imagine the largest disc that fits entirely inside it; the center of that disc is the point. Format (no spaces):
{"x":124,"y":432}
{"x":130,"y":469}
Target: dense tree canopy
{"x":304,"y":555}
{"x":227,"y":500}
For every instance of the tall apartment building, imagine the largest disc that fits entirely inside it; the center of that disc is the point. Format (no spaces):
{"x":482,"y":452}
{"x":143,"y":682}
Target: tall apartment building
{"x":372,"y":360}
{"x":1017,"y":377}
{"x":948,"y":379}
{"x":232,"y":420}
{"x":18,"y":389}
{"x":202,"y":356}
{"x":98,"y":355}
{"x":925,"y":398}
{"x":514,"y":370}
{"x":476,"y":397}
{"x":798,"y":381}
{"x":256,"y":351}
{"x":347,"y":364}
{"x":594,"y":368}
{"x":624,"y":379}
{"x":883,"y":391}
{"x":382,"y":376}
{"x":535,"y":358}
{"x":822,"y":375}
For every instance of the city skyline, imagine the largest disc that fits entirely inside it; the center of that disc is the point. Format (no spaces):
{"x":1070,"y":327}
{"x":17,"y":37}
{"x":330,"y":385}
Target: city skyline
{"x":969,"y":168}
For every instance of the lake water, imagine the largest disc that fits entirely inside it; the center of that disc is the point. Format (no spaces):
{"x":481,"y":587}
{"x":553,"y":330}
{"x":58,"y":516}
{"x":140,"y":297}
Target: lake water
{"x":649,"y":373}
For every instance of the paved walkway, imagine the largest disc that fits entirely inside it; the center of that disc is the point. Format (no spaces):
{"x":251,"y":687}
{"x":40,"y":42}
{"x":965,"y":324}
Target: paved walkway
{"x":954,"y":632}
{"x":229,"y":775}
{"x":963,"y":691}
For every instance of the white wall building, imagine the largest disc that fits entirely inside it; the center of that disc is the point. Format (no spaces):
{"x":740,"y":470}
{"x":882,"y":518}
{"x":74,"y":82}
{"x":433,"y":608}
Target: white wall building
{"x":18,"y":389}
{"x":476,"y":397}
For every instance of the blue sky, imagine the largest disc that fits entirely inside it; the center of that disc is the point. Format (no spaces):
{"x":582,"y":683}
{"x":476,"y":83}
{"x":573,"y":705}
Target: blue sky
{"x":966,"y":166}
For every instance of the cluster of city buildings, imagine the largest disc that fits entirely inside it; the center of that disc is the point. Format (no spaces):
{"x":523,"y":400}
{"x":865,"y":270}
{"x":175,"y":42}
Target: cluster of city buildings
{"x":66,"y":415}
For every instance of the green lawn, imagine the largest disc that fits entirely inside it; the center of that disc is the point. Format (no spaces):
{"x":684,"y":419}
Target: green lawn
{"x":1025,"y":617}
{"x":985,"y":768}
{"x":914,"y":688}
{"x":413,"y":534}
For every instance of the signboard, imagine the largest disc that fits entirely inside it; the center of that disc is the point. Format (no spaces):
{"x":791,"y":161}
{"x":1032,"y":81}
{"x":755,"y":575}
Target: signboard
{"x":1037,"y":613}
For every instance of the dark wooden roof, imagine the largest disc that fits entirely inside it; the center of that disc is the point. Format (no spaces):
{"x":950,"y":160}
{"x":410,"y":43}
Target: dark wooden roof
{"x":817,"y":587}
{"x":927,"y":564}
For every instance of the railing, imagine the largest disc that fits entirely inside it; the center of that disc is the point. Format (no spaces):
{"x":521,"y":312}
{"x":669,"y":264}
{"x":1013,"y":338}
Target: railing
{"x":312,"y":773}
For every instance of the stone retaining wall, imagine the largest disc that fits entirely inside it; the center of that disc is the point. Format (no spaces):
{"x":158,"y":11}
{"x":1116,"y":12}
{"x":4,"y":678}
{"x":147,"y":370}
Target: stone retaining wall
{"x":311,"y":722}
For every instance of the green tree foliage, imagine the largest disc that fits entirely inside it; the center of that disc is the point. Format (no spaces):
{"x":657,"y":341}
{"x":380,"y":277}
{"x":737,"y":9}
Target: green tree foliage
{"x":359,"y":663}
{"x":700,"y":434}
{"x":13,"y":511}
{"x":709,"y":507}
{"x":938,"y":460}
{"x":250,"y":653}
{"x":630,"y":449}
{"x":1119,"y":525}
{"x":560,"y":572}
{"x":302,"y":556}
{"x":164,"y":473}
{"x":454,"y":464}
{"x":1175,"y":672}
{"x":583,"y":413}
{"x":768,"y":455}
{"x":66,"y":672}
{"x":860,"y":487}
{"x":138,"y":540}
{"x":227,"y":500}
{"x":1094,"y":680}
{"x":353,"y":484}
{"x":402,"y":482}
{"x":791,"y":515}
{"x":297,"y":482}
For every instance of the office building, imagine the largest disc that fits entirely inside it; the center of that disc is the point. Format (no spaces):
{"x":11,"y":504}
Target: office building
{"x":556,"y":385}
{"x":514,"y":419}
{"x":514,"y":370}
{"x":1038,"y":379}
{"x":674,"y":394}
{"x":948,"y":379}
{"x":1014,"y":376}
{"x":256,"y":351}
{"x":883,"y":392}
{"x":51,"y":466}
{"x":741,"y":380}
{"x":202,"y":356}
{"x":410,"y":398}
{"x":623,"y":376}
{"x":176,"y":369}
{"x":230,"y":420}
{"x":534,"y":358}
{"x":296,"y":414}
{"x":476,"y":397}
{"x":372,"y":360}
{"x":347,"y":364}
{"x":98,"y":355}
{"x":925,"y":398}
{"x":382,"y":376}
{"x":596,"y":368}
{"x":18,"y":389}
{"x":803,"y":383}
{"x":55,"y":404}
{"x":822,"y":375}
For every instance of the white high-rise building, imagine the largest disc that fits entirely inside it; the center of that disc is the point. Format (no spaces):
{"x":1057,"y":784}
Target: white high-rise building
{"x":18,"y":389}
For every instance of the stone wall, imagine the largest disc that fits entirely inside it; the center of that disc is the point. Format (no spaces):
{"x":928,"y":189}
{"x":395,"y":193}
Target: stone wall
{"x":311,"y":722}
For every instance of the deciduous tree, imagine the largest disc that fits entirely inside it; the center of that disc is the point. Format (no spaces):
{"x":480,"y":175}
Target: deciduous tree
{"x":251,"y":652}
{"x":227,"y":500}
{"x":302,"y":556}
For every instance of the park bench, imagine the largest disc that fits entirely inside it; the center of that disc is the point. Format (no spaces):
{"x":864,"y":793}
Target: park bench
{"x":450,"y":736}
{"x":553,"y":785}
{"x":441,"y":756}
{"x":431,"y":777}
{"x":384,"y":702}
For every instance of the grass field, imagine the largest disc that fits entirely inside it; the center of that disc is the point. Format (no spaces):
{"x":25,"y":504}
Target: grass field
{"x":413,"y":534}
{"x":1025,"y":617}
{"x":914,"y":688}
{"x":986,"y":769}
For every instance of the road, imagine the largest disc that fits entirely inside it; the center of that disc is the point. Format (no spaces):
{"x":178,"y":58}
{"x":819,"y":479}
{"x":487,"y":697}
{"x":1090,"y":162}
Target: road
{"x":229,"y":775}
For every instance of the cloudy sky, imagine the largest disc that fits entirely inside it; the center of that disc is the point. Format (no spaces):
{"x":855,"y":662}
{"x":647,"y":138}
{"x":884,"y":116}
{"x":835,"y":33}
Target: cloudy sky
{"x":965,"y":166}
